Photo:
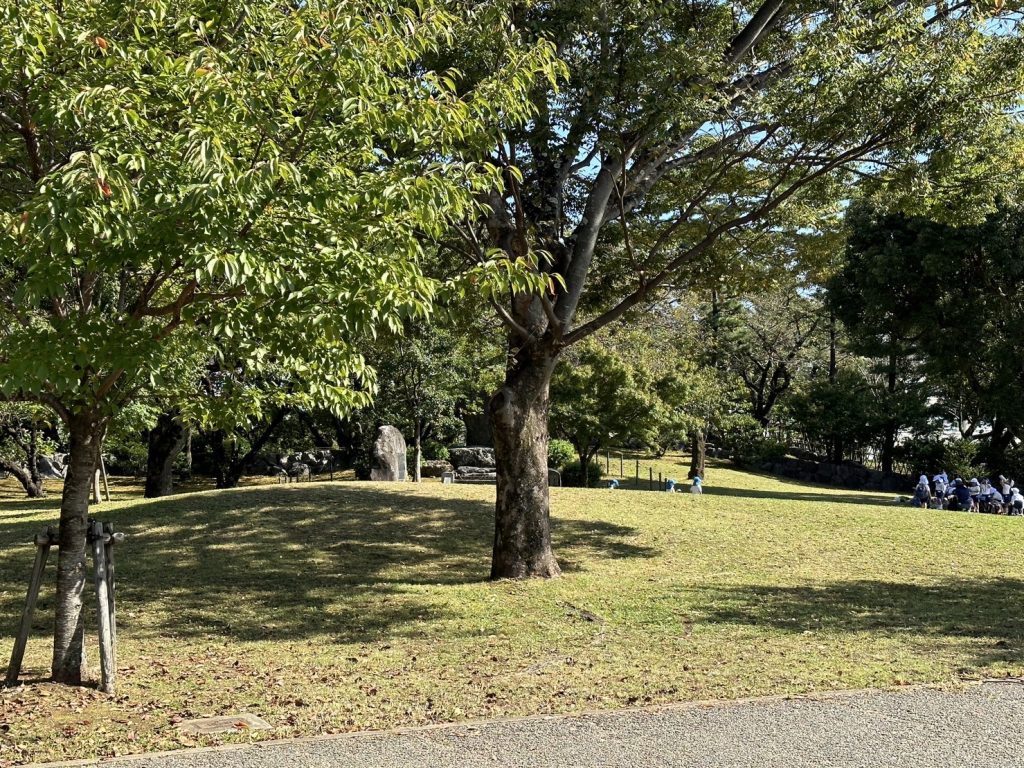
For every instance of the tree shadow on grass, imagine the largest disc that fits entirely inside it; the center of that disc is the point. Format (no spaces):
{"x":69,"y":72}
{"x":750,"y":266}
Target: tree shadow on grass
{"x":752,"y":493}
{"x":984,"y":609}
{"x":292,"y":562}
{"x":834,"y":498}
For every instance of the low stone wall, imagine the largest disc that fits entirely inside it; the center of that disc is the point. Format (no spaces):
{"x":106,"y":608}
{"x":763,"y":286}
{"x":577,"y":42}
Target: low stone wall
{"x":849,"y":475}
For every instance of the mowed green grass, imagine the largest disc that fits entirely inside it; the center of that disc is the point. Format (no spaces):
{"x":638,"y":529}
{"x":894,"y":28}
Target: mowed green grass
{"x":329,"y":607}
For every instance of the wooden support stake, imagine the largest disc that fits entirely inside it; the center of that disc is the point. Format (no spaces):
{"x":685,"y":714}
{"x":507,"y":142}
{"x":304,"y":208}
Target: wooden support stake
{"x":99,"y":561}
{"x":637,"y":478}
{"x":106,"y":484}
{"x":96,"y":498}
{"x":18,"y":652}
{"x":108,"y":547}
{"x":650,"y":478}
{"x":620,"y":466}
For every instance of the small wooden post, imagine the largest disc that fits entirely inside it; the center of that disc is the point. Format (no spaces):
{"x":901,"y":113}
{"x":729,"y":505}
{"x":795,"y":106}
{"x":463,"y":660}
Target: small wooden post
{"x":99,"y":561}
{"x":607,"y":462}
{"x":637,"y":478}
{"x":661,"y":483}
{"x":108,"y":547}
{"x":106,"y":483}
{"x":621,"y":474}
{"x":42,"y":543}
{"x":96,"y":487}
{"x":650,"y":478}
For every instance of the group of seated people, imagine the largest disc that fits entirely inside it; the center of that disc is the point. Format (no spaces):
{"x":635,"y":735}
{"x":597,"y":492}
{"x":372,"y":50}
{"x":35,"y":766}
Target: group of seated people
{"x":1001,"y":497}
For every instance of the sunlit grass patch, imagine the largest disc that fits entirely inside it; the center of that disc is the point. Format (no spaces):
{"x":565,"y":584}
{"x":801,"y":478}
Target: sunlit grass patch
{"x":329,"y":607}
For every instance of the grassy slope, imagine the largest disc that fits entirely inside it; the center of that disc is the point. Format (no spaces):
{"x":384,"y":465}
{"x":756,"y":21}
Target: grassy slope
{"x":330,"y":607}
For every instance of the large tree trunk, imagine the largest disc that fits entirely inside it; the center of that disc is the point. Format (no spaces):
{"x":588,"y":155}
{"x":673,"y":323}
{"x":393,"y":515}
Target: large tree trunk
{"x":166,"y":439}
{"x":519,"y":418}
{"x":698,"y":455}
{"x":86,"y":436}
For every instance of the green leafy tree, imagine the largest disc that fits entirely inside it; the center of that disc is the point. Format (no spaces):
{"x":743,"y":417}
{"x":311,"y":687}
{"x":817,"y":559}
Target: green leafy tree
{"x":878,"y":295}
{"x":695,"y":399}
{"x":836,"y":414}
{"x":176,"y":172}
{"x":598,"y":399}
{"x":680,"y":127}
{"x":941,"y":303}
{"x":423,"y":374}
{"x":769,"y":343}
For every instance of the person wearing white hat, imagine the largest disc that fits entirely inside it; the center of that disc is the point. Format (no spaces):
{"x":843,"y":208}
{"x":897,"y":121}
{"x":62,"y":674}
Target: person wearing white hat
{"x":975,"y":494}
{"x":922,"y":494}
{"x":1016,"y":502}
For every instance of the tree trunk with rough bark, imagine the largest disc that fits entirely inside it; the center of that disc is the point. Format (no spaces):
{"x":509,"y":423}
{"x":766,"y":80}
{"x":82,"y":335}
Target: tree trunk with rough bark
{"x":86,"y":436}
{"x":519,"y":418}
{"x":33,"y":487}
{"x":166,"y":439}
{"x":698,"y":455}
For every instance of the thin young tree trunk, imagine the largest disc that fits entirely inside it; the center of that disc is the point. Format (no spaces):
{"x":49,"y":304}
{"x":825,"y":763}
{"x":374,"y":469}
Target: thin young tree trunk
{"x":833,"y":348}
{"x":86,"y":436}
{"x":519,"y":418}
{"x":889,"y":438}
{"x":418,"y":444}
{"x":166,"y":439}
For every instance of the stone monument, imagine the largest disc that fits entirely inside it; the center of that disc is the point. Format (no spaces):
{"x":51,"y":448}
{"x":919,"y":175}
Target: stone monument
{"x":388,"y":456}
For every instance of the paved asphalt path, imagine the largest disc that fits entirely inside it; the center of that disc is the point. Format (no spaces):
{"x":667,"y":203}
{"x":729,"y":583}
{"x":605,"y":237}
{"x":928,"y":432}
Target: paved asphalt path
{"x":982,"y":727}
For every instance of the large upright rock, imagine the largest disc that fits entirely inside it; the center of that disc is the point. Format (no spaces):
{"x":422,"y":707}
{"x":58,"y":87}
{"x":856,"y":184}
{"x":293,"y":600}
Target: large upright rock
{"x":388,"y":456}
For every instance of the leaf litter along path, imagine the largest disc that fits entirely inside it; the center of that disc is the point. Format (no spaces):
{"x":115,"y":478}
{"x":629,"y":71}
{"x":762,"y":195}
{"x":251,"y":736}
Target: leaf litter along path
{"x":980,"y":727}
{"x":334,"y":607}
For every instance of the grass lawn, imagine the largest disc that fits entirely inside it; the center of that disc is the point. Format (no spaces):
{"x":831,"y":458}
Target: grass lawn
{"x":329,"y":607}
